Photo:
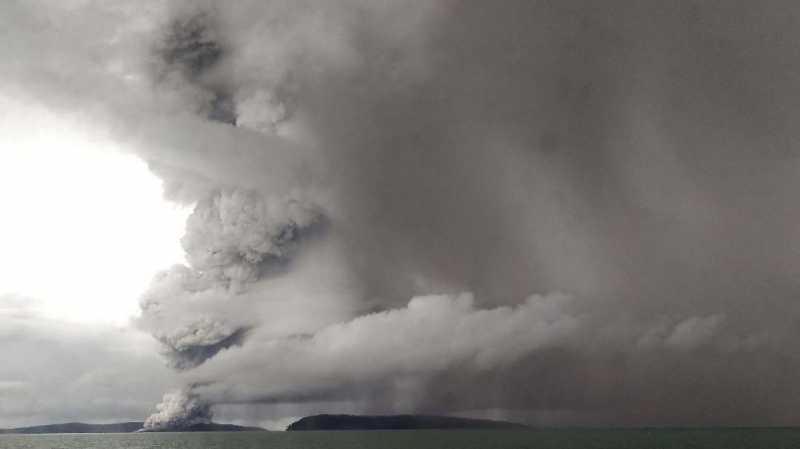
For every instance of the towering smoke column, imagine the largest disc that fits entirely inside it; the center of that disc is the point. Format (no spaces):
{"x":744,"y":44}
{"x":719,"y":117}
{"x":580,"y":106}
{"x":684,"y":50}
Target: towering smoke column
{"x":388,"y":195}
{"x":234,"y":238}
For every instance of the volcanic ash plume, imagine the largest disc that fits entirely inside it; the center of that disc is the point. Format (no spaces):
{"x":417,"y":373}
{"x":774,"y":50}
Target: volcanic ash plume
{"x":450,"y":161}
{"x":179,"y":409}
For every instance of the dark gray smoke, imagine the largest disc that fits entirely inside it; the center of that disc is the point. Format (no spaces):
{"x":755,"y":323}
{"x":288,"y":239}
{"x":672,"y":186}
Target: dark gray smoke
{"x":192,"y":345}
{"x":188,"y":55}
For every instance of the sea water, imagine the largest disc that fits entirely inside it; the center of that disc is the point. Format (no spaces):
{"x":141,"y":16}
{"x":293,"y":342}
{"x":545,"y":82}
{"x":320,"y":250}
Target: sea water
{"x":423,"y":439}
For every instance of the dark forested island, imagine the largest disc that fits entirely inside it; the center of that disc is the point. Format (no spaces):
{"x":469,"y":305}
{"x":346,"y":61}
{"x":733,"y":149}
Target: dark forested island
{"x":396,"y":422}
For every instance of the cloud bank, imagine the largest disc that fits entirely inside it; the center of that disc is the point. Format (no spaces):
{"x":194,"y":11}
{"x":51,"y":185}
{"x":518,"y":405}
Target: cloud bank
{"x":53,"y":371}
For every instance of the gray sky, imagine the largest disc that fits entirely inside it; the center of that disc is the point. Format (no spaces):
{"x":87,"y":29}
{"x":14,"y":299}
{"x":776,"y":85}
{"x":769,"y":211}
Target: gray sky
{"x":561,"y":212}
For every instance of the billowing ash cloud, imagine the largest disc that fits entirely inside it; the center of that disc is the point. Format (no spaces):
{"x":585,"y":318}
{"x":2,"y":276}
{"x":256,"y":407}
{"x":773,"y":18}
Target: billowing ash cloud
{"x":356,"y":165}
{"x":238,"y":235}
{"x":391,"y":350}
{"x":179,"y":409}
{"x":233,"y":238}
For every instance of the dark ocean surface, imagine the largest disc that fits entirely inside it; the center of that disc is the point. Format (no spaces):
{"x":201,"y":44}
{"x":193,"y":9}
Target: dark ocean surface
{"x":774,"y":438}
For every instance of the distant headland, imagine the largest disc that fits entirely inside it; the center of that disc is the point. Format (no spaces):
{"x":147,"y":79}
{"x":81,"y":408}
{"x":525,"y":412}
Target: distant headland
{"x":396,"y":422}
{"x":124,"y":427}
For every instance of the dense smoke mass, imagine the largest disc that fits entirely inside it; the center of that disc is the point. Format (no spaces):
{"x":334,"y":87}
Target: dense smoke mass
{"x":567,"y":212}
{"x":233,"y":238}
{"x":180,"y":409}
{"x":196,"y":342}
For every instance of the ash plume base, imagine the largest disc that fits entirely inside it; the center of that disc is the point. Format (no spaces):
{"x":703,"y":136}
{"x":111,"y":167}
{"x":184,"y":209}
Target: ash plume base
{"x":179,"y":409}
